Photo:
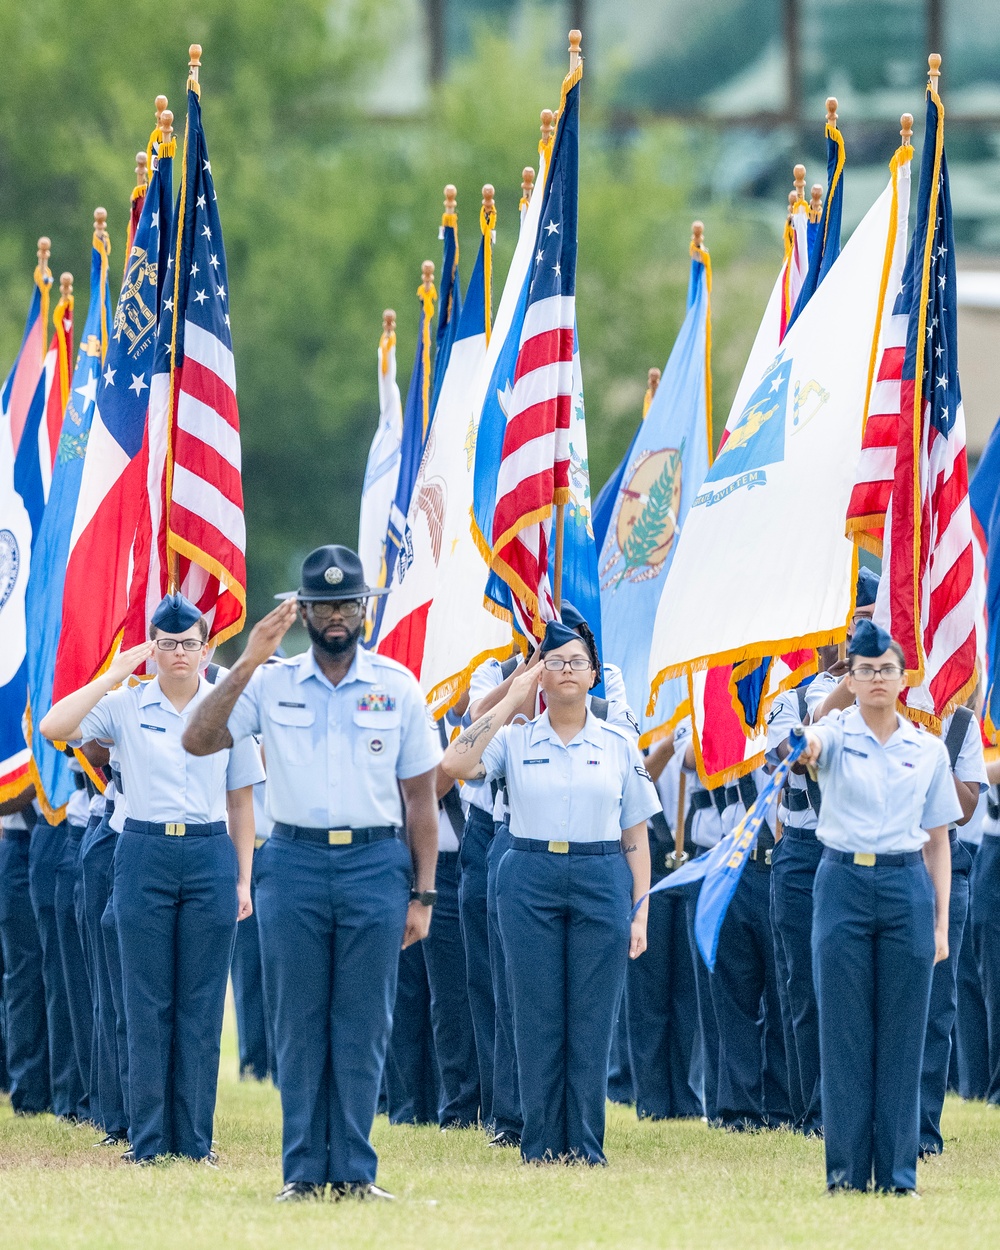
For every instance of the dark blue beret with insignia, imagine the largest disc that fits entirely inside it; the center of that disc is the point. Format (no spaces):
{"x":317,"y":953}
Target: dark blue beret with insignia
{"x":175,"y":614}
{"x":557,"y":635}
{"x":870,"y":640}
{"x":867,"y":588}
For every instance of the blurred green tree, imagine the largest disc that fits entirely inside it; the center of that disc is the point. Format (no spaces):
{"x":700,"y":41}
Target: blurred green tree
{"x":328,"y":213}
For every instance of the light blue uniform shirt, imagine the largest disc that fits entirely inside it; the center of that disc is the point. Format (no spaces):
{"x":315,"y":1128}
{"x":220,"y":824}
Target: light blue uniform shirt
{"x":781,"y":720}
{"x":588,"y":790}
{"x":335,"y":753}
{"x":162,"y":782}
{"x":489,"y":675}
{"x":822,"y":685}
{"x":879,"y":798}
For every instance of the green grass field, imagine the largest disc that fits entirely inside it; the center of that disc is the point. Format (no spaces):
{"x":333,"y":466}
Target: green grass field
{"x":668,"y":1184}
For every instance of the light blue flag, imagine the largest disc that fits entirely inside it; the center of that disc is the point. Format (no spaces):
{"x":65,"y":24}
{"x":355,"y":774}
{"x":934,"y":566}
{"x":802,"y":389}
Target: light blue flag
{"x":666,"y":467}
{"x":44,"y":605}
{"x":720,"y":870}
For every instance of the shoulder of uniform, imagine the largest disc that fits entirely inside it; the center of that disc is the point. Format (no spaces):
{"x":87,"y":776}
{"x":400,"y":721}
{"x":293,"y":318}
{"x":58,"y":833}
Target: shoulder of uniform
{"x":617,"y":731}
{"x":392,"y":666}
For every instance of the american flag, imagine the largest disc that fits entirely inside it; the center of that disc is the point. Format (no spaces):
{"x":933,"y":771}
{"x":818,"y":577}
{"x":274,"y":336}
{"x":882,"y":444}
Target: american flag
{"x":927,"y":598}
{"x":535,"y":461}
{"x":192,"y":408}
{"x":112,"y":494}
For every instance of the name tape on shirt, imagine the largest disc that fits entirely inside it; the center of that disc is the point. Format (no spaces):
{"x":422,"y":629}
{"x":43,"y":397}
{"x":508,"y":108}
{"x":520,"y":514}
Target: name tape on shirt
{"x":156,"y":728}
{"x":376,"y":701}
{"x":545,"y":761}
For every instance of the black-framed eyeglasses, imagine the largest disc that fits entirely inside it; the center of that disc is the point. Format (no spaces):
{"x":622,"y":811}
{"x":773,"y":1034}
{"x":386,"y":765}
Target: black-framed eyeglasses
{"x":323,"y":610}
{"x":186,"y":644}
{"x":865,"y":672}
{"x":577,"y":664}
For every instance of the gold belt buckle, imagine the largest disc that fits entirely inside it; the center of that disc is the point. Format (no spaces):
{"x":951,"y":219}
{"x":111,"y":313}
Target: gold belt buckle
{"x":258,"y":843}
{"x":864,"y":859}
{"x":339,"y":837}
{"x":175,"y":830}
{"x":559,"y":848}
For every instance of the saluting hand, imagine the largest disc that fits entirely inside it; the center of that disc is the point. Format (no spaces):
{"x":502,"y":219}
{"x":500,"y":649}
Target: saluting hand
{"x":267,"y":634}
{"x":524,"y":685}
{"x":126,"y":662}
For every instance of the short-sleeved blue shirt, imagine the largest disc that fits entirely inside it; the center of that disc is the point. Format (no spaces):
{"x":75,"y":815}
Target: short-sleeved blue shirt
{"x":335,"y":753}
{"x":881,"y":798}
{"x":587,"y":790}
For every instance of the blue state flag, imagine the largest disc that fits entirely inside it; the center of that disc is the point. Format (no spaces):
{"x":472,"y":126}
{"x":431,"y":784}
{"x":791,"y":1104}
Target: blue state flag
{"x":449,"y":305}
{"x":984,"y":498}
{"x":44,"y":604}
{"x":665,"y":470}
{"x":720,"y":870}
{"x":824,"y":241}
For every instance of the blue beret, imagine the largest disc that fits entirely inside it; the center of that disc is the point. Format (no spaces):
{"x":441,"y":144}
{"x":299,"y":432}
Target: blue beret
{"x":557,"y":635}
{"x":175,"y":614}
{"x":570,"y":616}
{"x":867,"y":588}
{"x":870,"y":640}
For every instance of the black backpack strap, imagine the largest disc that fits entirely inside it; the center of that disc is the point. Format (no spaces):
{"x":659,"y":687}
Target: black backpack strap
{"x":957,"y":731}
{"x":698,"y":802}
{"x":508,"y":666}
{"x":800,"y":694}
{"x":212,"y":674}
{"x":600,"y":708}
{"x":993,"y":802}
{"x":660,"y":828}
{"x":747,"y":787}
{"x":451,"y":805}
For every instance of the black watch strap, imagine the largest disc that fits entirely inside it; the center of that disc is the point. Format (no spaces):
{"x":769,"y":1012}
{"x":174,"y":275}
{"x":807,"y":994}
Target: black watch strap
{"x":426,"y":897}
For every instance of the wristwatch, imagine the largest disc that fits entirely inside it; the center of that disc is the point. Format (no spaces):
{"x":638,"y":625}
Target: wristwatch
{"x":427,"y":898}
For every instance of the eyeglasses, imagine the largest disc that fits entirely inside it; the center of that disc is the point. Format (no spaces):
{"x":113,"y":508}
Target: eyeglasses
{"x":349,"y":609}
{"x":578,"y":665}
{"x":865,"y":672}
{"x":186,"y":644}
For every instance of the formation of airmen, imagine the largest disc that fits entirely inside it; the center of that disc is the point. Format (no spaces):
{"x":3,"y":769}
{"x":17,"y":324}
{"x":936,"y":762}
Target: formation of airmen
{"x":450,"y":922}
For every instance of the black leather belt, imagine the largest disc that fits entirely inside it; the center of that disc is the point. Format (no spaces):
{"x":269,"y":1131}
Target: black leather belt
{"x":175,"y":829}
{"x":760,"y":857}
{"x":799,"y":835}
{"x":335,"y":837}
{"x":567,"y":848}
{"x":865,"y":859}
{"x":15,"y":835}
{"x":795,"y":801}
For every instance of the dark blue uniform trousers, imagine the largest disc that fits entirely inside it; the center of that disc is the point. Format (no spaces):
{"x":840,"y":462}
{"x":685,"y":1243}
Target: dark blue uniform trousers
{"x":331,"y":926}
{"x":565,"y":924}
{"x":254,"y":1027}
{"x":753,"y":1075}
{"x":107,"y":1092}
{"x":451,"y":1018}
{"x":985,"y":915}
{"x":873,"y":957}
{"x":943,"y":1008}
{"x":704,"y":1077}
{"x":81,"y":1005}
{"x":794,"y":862}
{"x":472,"y":891}
{"x":24,"y":996}
{"x":661,"y":1010}
{"x":46,"y":850}
{"x":506,"y":1088}
{"x":971,"y":1028}
{"x":411,"y":1076}
{"x":175,"y":907}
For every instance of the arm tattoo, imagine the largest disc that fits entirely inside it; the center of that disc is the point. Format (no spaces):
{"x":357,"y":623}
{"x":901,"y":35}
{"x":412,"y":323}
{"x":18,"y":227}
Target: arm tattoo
{"x":629,"y":849}
{"x":467,"y":740}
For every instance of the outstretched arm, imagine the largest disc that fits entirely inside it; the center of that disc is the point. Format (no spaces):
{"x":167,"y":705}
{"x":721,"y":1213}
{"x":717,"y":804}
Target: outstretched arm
{"x":61,"y":723}
{"x":463,"y":759}
{"x":208,"y":728}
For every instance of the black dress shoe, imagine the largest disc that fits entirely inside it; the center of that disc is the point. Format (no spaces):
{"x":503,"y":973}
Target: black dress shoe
{"x":128,"y":1156}
{"x":360,"y":1190}
{"x":299,"y":1191}
{"x":113,"y":1139}
{"x":505,"y":1138}
{"x":211,"y":1160}
{"x":450,"y":1125}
